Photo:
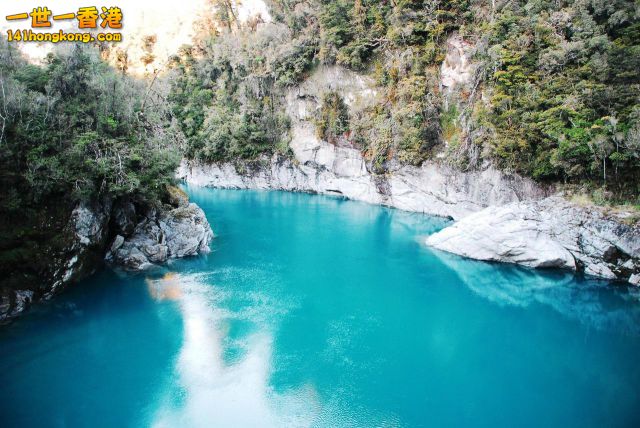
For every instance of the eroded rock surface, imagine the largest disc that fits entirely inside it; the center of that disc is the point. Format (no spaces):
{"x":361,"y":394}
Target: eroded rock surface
{"x":134,"y":237}
{"x":530,"y":230}
{"x":547,"y":233}
{"x":178,"y":232}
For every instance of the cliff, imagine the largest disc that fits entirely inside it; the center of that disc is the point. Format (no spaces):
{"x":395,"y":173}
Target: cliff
{"x":341,"y":169}
{"x":503,"y":217}
{"x":134,"y":237}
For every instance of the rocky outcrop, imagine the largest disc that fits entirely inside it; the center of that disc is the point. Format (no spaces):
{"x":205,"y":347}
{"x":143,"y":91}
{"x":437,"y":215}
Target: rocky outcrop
{"x":178,"y":232}
{"x":76,"y":253}
{"x":502,"y":217}
{"x":89,"y":226}
{"x":340,"y":169}
{"x":134,"y":237}
{"x":547,"y":233}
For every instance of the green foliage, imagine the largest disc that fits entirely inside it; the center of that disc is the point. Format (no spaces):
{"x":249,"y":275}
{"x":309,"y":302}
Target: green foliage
{"x":555,"y":98}
{"x":292,"y":67}
{"x":565,"y":91}
{"x":401,"y":43}
{"x":72,"y":130}
{"x":333,"y":117}
{"x":352,"y":31}
{"x":449,"y":125}
{"x":228,"y":102}
{"x":76,"y":128}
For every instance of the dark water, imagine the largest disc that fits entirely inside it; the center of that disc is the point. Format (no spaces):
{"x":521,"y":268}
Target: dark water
{"x":313,"y":311}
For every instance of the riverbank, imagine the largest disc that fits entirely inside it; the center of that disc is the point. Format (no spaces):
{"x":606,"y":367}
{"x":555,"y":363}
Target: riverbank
{"x":126,"y":235}
{"x":499,"y":217}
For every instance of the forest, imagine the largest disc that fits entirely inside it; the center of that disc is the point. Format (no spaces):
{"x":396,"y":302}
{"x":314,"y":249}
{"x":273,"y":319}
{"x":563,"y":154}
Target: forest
{"x":71,"y":131}
{"x":556,"y":99}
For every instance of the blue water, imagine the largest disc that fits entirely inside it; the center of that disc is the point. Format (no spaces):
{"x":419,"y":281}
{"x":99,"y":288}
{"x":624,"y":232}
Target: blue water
{"x":314,"y":311}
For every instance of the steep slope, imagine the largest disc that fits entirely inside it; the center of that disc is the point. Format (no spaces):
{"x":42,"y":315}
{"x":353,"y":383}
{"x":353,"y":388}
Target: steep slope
{"x":435,"y":187}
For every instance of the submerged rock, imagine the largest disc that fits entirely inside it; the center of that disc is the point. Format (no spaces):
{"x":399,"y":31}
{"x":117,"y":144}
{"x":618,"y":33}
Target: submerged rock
{"x":547,"y":233}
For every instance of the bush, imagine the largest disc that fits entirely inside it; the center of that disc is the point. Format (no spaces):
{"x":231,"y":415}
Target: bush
{"x":333,"y":117}
{"x":77,"y":128}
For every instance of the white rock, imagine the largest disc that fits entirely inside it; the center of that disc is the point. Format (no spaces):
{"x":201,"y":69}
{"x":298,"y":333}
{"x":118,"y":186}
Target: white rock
{"x":89,"y":222}
{"x":546,"y":233}
{"x":456,"y":68}
{"x":502,"y":235}
{"x":432,"y":188}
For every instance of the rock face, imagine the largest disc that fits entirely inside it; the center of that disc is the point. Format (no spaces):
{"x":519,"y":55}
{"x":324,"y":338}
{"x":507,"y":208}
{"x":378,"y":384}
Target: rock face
{"x":547,"y":233}
{"x":77,"y":255}
{"x":340,"y":169}
{"x":13,"y":303}
{"x":323,"y":168}
{"x":514,"y":220}
{"x":178,"y":232}
{"x":457,"y":68}
{"x":89,"y":226}
{"x":133,"y":237}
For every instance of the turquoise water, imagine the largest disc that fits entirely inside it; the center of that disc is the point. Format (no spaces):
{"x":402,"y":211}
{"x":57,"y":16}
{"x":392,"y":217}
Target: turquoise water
{"x":314,"y":311}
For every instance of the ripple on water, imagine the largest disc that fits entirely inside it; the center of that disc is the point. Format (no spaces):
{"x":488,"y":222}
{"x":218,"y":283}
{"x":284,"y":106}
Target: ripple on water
{"x":319,"y":312}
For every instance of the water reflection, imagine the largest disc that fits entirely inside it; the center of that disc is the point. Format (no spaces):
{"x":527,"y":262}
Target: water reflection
{"x":595,"y":303}
{"x":207,"y":387}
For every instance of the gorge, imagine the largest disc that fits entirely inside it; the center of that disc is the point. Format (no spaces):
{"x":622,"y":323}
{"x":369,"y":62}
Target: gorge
{"x":316,"y":311}
{"x":565,"y":235}
{"x":316,"y":213}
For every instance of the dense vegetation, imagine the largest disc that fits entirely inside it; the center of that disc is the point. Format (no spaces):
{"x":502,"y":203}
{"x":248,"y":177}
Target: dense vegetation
{"x":565,"y":94}
{"x":75,"y":127}
{"x":72,"y":130}
{"x":555,"y":95}
{"x":240,"y":71}
{"x":333,"y":117}
{"x":228,"y":103}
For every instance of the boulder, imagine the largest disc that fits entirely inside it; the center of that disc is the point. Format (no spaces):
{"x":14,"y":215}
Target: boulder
{"x":547,"y":233}
{"x":163,"y":234}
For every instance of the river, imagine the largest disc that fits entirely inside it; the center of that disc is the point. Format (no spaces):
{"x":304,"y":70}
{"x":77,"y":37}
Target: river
{"x":314,"y":311}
